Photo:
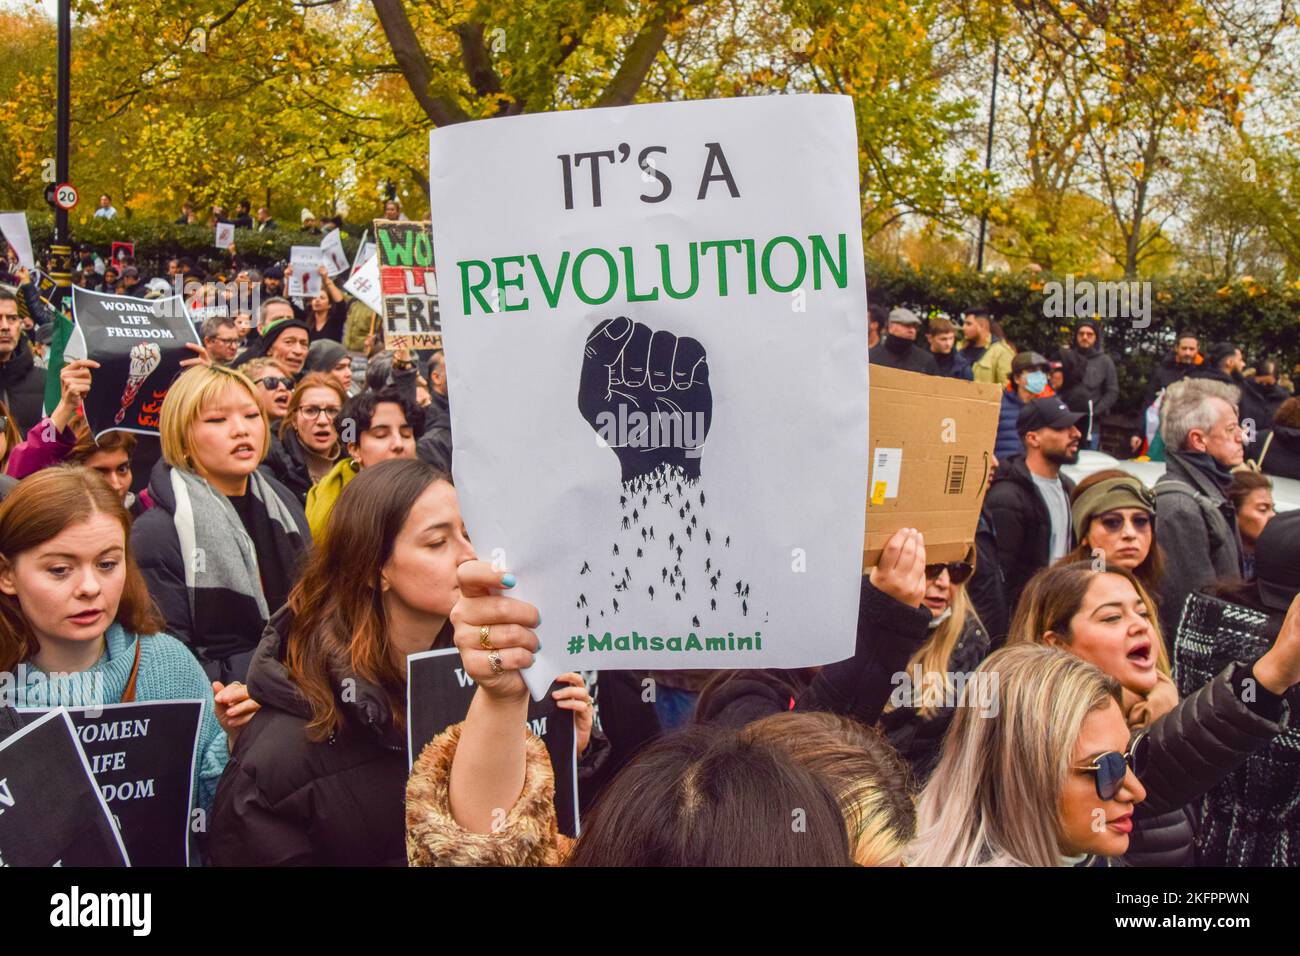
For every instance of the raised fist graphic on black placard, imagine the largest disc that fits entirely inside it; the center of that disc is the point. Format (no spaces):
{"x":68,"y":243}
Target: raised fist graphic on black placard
{"x":647,"y":396}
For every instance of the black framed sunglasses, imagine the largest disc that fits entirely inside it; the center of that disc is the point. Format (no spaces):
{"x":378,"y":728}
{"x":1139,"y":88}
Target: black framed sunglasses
{"x":958,"y":571}
{"x":273,"y":382}
{"x":1111,"y":767}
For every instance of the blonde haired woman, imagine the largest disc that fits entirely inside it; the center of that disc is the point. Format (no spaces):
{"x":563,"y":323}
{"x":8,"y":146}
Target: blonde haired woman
{"x":925,"y":694}
{"x":1105,"y":618}
{"x":220,"y":548}
{"x":1026,"y":781}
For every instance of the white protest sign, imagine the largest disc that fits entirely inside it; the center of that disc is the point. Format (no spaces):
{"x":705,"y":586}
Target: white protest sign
{"x":304,"y":280}
{"x":653,"y":319}
{"x":13,"y":225}
{"x":225,"y":236}
{"x":364,"y":250}
{"x":332,"y":254}
{"x":364,"y":283}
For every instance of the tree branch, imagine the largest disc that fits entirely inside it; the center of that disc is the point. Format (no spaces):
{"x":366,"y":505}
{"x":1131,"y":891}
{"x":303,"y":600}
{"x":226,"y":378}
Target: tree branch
{"x":414,"y":64}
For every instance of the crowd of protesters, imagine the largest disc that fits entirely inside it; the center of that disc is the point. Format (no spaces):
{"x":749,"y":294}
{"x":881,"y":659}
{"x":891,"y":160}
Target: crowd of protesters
{"x":1138,"y":645}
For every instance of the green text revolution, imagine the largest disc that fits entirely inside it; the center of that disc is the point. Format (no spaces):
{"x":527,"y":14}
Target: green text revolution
{"x":597,"y":276}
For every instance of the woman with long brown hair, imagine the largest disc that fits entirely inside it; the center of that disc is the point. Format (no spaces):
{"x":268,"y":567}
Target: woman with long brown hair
{"x":73,"y":604}
{"x":319,"y":775}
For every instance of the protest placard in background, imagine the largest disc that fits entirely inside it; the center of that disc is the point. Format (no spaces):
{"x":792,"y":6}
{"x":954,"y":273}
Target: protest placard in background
{"x":139,"y":345}
{"x":304,"y":279}
{"x":225,"y":235}
{"x":142,"y":758}
{"x":438,"y":694}
{"x":411,"y":319}
{"x":364,"y":283}
{"x":51,"y":811}
{"x":332,"y":254}
{"x":13,"y":226}
{"x":654,"y":319}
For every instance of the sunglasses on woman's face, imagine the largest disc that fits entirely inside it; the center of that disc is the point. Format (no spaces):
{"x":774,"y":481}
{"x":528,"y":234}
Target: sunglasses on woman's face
{"x":1114,"y":524}
{"x":958,"y":571}
{"x":1112,"y":767}
{"x":272,"y":383}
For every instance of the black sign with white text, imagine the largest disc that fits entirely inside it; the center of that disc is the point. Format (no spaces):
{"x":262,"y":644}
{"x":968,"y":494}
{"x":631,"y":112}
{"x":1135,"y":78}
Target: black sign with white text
{"x":139,"y":345}
{"x":51,"y":813}
{"x":438,"y":694}
{"x":142,"y":756}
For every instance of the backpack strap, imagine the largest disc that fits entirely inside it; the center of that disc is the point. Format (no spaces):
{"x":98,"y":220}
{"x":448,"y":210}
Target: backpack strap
{"x":128,"y":695}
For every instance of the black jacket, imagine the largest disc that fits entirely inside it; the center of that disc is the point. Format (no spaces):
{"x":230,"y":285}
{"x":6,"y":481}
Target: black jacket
{"x":286,"y":462}
{"x":889,"y":633}
{"x":1193,"y":748}
{"x":1022,"y":524}
{"x":224,"y":627}
{"x":434,"y":446}
{"x":22,"y":387}
{"x":1092,"y":386}
{"x":1169,"y":371}
{"x":896,"y":352}
{"x":918,"y":738}
{"x":1282,"y":457}
{"x":1259,"y":403}
{"x":288,"y":800}
{"x":1252,"y":817}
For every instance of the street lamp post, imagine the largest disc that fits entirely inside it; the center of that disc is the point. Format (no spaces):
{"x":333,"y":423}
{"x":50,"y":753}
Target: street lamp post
{"x":61,"y":247}
{"x":988,"y":153}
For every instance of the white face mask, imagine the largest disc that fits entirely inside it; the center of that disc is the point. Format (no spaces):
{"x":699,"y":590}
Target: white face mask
{"x":947,"y":613}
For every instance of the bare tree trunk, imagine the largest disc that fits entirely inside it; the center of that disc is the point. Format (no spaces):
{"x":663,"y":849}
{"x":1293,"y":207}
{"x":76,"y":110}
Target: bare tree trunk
{"x":414,"y":64}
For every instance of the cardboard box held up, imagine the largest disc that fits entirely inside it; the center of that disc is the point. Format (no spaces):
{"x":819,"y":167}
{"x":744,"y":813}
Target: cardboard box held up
{"x":931,"y":460}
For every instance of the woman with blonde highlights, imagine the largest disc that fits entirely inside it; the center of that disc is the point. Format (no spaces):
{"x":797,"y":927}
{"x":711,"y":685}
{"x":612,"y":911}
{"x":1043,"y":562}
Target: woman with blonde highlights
{"x":1025,"y":782}
{"x":1105,"y":618}
{"x":221,"y":547}
{"x":925,"y":694}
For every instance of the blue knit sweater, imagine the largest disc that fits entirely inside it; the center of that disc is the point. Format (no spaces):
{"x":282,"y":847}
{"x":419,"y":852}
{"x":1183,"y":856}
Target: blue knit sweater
{"x":168,"y":671}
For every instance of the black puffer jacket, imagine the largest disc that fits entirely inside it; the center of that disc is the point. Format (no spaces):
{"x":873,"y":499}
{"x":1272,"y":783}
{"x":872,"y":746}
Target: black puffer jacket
{"x":223,"y":627}
{"x":897,"y":352}
{"x":889,"y":633}
{"x":1193,"y":748}
{"x":286,"y":800}
{"x":918,"y":738}
{"x":22,"y":387}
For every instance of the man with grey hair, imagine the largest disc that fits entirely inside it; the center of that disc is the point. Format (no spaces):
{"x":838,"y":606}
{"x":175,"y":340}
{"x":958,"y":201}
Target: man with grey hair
{"x":220,"y":338}
{"x":1195,"y":522}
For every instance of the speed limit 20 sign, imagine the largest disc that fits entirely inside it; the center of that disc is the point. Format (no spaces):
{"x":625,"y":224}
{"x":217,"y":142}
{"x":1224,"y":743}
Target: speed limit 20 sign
{"x":65,"y":195}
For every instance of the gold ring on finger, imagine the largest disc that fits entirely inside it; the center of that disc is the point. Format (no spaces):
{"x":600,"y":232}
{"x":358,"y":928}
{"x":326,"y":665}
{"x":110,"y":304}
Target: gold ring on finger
{"x":484,"y":638}
{"x":494,"y":661}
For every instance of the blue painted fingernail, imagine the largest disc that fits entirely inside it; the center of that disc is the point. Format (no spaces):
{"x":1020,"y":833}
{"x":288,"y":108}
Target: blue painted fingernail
{"x":539,"y":645}
{"x":507,"y":580}
{"x":539,"y":619}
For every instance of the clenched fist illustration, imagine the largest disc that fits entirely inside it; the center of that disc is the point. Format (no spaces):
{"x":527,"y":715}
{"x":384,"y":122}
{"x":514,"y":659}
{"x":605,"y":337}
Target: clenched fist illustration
{"x":646,"y":394}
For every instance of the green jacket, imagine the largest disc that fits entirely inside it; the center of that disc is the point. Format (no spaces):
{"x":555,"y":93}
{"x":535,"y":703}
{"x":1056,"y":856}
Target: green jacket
{"x":995,"y":364}
{"x":323,"y":495}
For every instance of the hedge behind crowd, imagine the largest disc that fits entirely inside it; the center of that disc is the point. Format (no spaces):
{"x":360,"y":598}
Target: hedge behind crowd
{"x":157,"y":241}
{"x":1263,"y":320}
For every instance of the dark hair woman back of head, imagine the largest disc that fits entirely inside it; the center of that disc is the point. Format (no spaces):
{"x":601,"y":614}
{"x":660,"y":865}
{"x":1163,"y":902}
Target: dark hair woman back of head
{"x":700,"y":798}
{"x":338,"y":603}
{"x":39,"y":508}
